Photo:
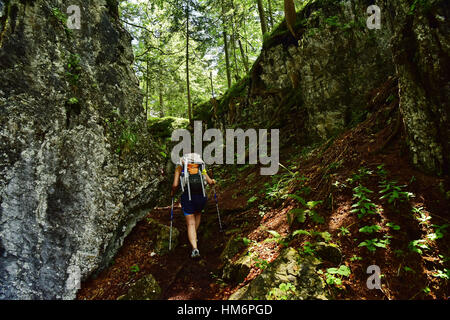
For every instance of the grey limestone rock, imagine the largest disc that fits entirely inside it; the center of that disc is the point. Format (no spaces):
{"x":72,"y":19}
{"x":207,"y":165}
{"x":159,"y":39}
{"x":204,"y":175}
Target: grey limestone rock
{"x":72,"y":181}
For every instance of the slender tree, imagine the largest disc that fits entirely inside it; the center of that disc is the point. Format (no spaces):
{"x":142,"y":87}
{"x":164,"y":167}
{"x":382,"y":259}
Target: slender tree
{"x":187,"y":65}
{"x":270,"y":14}
{"x":290,"y":15}
{"x":262,"y":17}
{"x":225,"y":44}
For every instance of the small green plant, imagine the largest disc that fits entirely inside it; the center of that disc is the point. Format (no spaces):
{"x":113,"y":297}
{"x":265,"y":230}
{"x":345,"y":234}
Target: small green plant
{"x":375,"y":243}
{"x":393,"y":226}
{"x":381,"y":171}
{"x":73,"y":101}
{"x":394,"y":193}
{"x":364,"y":205}
{"x":343,"y":232}
{"x":135,"y":268}
{"x":278,"y":188}
{"x":326,"y":236}
{"x":300,"y":214}
{"x":59,"y":15}
{"x":217,"y":279}
{"x":355,"y":258}
{"x":418,"y":4}
{"x":62,"y":19}
{"x":278,"y":238}
{"x":252,"y":200}
{"x":73,"y":69}
{"x":246,"y":241}
{"x":301,"y":232}
{"x":418,"y":245}
{"x":408,"y":269}
{"x":333,"y":21}
{"x":308,"y":249}
{"x":438,"y":233}
{"x":333,"y":167}
{"x":370,"y":229}
{"x":362,"y":174}
{"x":285,"y":291}
{"x":334,"y":275}
{"x":127,"y":141}
{"x":442,"y":274}
{"x":261,"y":263}
{"x":262,"y":210}
{"x":420,"y":215}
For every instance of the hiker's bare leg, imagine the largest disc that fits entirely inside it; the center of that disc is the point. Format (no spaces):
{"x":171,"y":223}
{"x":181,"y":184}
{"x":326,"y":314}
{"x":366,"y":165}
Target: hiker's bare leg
{"x":198,"y":218}
{"x":192,"y":234}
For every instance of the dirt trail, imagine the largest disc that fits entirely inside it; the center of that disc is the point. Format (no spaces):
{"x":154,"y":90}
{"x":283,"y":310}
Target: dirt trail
{"x":179,"y":276}
{"x":192,"y":279}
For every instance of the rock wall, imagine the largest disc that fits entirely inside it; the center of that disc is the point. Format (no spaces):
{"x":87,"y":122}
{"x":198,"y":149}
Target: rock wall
{"x":336,"y":63}
{"x":317,"y":84}
{"x":421,"y":48}
{"x":76,"y":163}
{"x":288,"y":269}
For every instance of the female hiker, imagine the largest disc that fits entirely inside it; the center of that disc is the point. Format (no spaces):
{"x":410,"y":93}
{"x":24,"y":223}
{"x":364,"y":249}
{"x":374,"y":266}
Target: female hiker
{"x":192,"y":175}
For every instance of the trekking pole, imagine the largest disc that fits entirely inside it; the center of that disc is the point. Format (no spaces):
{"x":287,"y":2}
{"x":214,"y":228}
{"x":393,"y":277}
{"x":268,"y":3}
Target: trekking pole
{"x":171,"y":221}
{"x":217,"y":207}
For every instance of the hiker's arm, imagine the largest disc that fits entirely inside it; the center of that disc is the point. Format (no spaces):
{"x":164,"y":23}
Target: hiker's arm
{"x":208,"y":179}
{"x":176,"y":181}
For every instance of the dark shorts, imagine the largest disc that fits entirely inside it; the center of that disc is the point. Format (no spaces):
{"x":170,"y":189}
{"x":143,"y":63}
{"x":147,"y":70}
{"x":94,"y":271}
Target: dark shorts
{"x":197,"y":203}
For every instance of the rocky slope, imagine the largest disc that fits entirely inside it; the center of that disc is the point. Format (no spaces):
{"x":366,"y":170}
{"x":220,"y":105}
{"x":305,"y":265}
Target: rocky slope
{"x":76,"y":163}
{"x":318,"y":84}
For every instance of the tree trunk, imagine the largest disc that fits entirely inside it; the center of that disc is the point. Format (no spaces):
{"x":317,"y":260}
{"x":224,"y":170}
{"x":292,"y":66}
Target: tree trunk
{"x":212,"y":85}
{"x":233,"y":47}
{"x":161,"y":97}
{"x":187,"y":66}
{"x":290,"y":15}
{"x":270,"y":14}
{"x":233,"y":39}
{"x":423,"y":82}
{"x":244,"y":57}
{"x":262,"y":17}
{"x":225,"y":44}
{"x":146,"y":91}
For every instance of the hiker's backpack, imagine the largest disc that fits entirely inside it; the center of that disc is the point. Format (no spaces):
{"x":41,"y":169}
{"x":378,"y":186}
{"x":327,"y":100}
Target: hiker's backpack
{"x":191,"y":177}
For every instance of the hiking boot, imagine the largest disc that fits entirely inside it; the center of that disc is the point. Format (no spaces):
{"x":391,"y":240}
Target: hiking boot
{"x":195,"y":254}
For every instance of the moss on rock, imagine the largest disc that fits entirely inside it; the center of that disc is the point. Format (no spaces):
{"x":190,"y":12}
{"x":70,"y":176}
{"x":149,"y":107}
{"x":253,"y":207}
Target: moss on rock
{"x":146,"y":288}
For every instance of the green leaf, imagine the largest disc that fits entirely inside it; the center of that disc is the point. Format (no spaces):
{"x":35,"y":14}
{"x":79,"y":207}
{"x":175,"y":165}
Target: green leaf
{"x":370,"y":229}
{"x":274,"y":234}
{"x":246,"y":241}
{"x":299,"y":214}
{"x":313,"y":204}
{"x":298,"y":198}
{"x":325,"y":235}
{"x":343,"y":271}
{"x":316,"y":217}
{"x":393,"y":226}
{"x":301,"y":232}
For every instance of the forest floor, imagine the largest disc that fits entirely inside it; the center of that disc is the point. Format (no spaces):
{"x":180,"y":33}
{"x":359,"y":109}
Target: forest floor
{"x":358,"y":191}
{"x":179,"y":277}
